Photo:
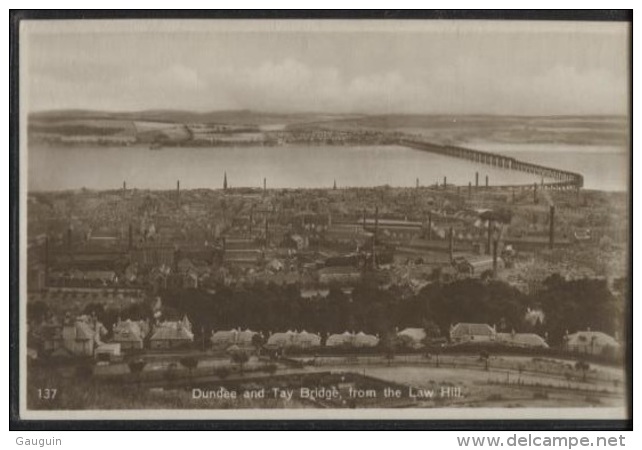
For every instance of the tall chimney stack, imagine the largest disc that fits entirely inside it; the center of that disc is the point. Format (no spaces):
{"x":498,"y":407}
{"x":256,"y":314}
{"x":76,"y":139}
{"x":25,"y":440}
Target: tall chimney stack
{"x":124,"y":185}
{"x":264,"y":184}
{"x":46,"y":260}
{"x":374,"y":238}
{"x":476,"y":179}
{"x":417,"y":183}
{"x":444,"y":182}
{"x":486,"y":180}
{"x":225,"y":181}
{"x":266,"y":231}
{"x":430,"y":226}
{"x":490,"y":233}
{"x":376,"y":229}
{"x":495,"y":243}
{"x":470,"y":189}
{"x":551,"y":225}
{"x":69,"y":237}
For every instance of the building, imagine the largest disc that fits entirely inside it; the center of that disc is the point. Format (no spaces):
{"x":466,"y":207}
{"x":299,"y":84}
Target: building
{"x":107,"y":351}
{"x":75,"y":338}
{"x":232,"y":337}
{"x":168,"y":335}
{"x":347,"y":234}
{"x":293,"y":339}
{"x":477,"y":265}
{"x":347,"y":339}
{"x":591,"y":342}
{"x":472,"y":332}
{"x":412,"y":337}
{"x":130,"y":334}
{"x":523,"y":340}
{"x":339,"y":275}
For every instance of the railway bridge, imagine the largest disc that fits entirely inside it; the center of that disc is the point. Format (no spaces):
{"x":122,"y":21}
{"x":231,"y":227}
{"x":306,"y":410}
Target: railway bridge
{"x":561,"y":179}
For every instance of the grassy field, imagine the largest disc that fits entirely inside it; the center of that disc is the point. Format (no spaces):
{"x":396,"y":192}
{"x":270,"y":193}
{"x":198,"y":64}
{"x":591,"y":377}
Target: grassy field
{"x":510,"y":381}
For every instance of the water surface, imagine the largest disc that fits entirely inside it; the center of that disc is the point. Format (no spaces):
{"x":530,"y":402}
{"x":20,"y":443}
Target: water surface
{"x":283,"y":167}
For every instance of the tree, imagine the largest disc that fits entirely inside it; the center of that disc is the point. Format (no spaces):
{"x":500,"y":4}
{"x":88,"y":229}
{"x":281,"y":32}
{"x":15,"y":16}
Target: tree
{"x":257,"y":342}
{"x":190,"y":363}
{"x":437,"y":352}
{"x":584,"y":367}
{"x":520,"y":370}
{"x":170,"y":373}
{"x":485,"y":356}
{"x":136,"y":367}
{"x":222,"y":372}
{"x":240,"y":358}
{"x":389,"y":345}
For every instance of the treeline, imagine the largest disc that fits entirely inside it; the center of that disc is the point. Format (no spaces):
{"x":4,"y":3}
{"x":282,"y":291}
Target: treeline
{"x":565,"y":306}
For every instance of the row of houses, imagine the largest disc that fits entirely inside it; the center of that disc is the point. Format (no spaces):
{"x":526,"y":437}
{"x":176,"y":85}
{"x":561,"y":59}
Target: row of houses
{"x":462,"y":333}
{"x":85,"y":336}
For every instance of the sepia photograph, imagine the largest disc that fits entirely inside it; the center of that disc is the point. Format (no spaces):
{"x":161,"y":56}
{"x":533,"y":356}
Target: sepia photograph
{"x":313,"y":219}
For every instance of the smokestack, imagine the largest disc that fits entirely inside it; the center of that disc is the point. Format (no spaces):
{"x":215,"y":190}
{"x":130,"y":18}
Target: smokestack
{"x":486,"y":180}
{"x":225,"y":181}
{"x":374,"y":240}
{"x":46,"y":261}
{"x":444,"y":182}
{"x":124,"y":185}
{"x":476,"y":179}
{"x":470,"y":189}
{"x":178,"y":192}
{"x":451,"y":244}
{"x":376,"y":222}
{"x":417,"y":183}
{"x":430,"y":226}
{"x":551,"y":229}
{"x":490,"y":232}
{"x":266,"y":231}
{"x":495,"y":243}
{"x":264,"y":184}
{"x":334,"y":186}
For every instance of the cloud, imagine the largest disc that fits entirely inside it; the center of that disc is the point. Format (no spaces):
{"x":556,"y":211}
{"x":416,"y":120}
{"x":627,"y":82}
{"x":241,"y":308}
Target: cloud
{"x":180,"y":77}
{"x":463,"y":85}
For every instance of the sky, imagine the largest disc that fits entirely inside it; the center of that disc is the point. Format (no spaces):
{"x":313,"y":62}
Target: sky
{"x":432,"y":67}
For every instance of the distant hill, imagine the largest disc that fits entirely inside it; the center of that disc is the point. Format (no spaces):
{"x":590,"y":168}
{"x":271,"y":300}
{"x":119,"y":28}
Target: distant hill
{"x":440,"y":129}
{"x":238,"y":117}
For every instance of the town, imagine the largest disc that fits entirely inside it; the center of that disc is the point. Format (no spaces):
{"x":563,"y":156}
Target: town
{"x":126,"y":281}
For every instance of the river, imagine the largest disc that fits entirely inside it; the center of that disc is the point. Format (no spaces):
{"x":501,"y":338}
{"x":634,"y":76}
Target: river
{"x":55,"y":168}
